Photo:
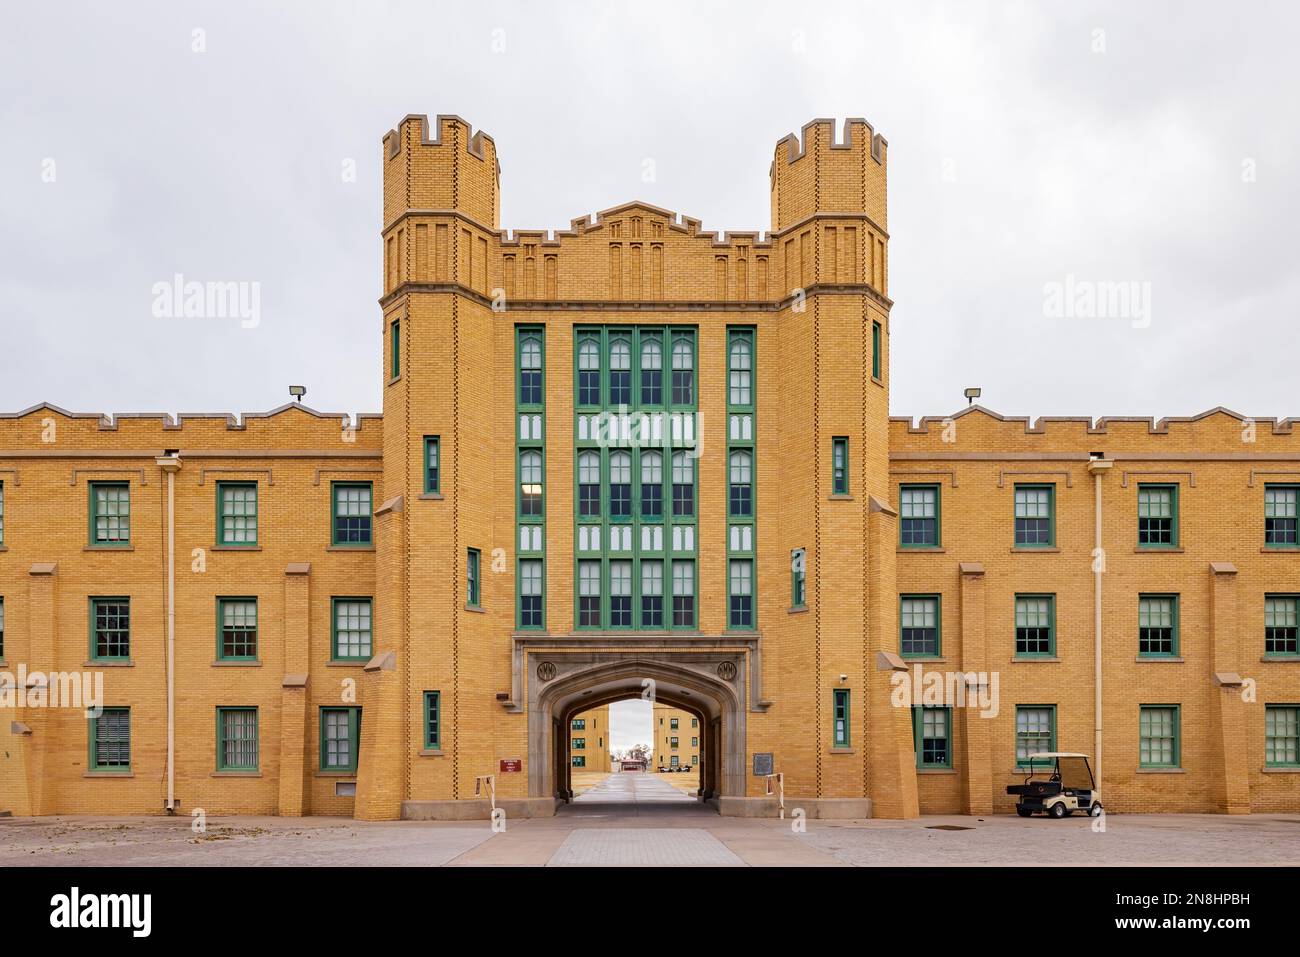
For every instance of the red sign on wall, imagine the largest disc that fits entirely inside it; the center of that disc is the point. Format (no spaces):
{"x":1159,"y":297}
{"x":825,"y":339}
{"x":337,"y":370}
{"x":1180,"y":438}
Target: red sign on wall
{"x":511,"y":765}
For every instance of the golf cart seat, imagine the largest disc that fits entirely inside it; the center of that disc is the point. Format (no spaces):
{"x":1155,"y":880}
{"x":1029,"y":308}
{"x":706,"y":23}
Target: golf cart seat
{"x":1035,"y":789}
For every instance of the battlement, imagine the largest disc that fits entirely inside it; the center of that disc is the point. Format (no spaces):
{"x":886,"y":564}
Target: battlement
{"x":815,"y":172}
{"x":449,"y":168}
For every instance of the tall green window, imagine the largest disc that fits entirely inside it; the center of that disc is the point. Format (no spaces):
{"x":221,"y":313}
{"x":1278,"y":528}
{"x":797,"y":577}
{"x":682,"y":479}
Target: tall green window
{"x":1281,"y":614}
{"x":798,"y":578}
{"x":840,"y":705}
{"x":652,"y":593}
{"x":740,"y":369}
{"x":620,"y":593}
{"x":351,"y":524}
{"x":237,"y":739}
{"x":620,"y":371}
{"x":918,"y":516}
{"x":530,"y":483}
{"x":2,"y":629}
{"x":589,"y":594}
{"x":530,"y":593}
{"x":1035,"y":626}
{"x":875,"y":350}
{"x":110,"y":740}
{"x":741,"y":593}
{"x":840,"y":465}
{"x":432,"y":720}
{"x":110,"y":629}
{"x":530,"y":504}
{"x":742,"y":559}
{"x":1157,"y":626}
{"x":1035,"y":733}
{"x":1158,"y":733}
{"x":932,"y":736}
{"x":530,"y":367}
{"x":110,"y":514}
{"x":472,"y":582}
{"x":1282,"y":735}
{"x":1280,"y":516}
{"x":683,"y":594}
{"x":683,"y":485}
{"x":340,"y":738}
{"x":1158,"y":516}
{"x":2,"y":513}
{"x":919,"y":626}
{"x":237,"y":629}
{"x":353,"y":629}
{"x":652,"y":370}
{"x":1035,"y":516}
{"x":620,"y":486}
{"x":236,"y":513}
{"x":741,"y":499}
{"x":589,"y":371}
{"x":432,"y":465}
{"x":395,"y":350}
{"x":683,"y":371}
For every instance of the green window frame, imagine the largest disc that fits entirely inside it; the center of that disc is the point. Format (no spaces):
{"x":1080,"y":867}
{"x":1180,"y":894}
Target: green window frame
{"x":1157,"y":516}
{"x":578,"y":724}
{"x":740,"y":586}
{"x":351,"y":628}
{"x":237,"y":632}
{"x":237,"y":513}
{"x":579,"y":744}
{"x":109,"y":741}
{"x":919,"y":516}
{"x":531,"y":503}
{"x":2,"y":513}
{"x":579,"y":760}
{"x":840,"y":465}
{"x":932,"y":736}
{"x":1035,"y":516}
{"x":875,"y":350}
{"x":110,"y":628}
{"x":1158,"y":626}
{"x":799,"y":578}
{"x":1281,"y":516}
{"x":530,"y":370}
{"x":433,"y":720}
{"x":920,"y":625}
{"x":1035,"y":732}
{"x":2,"y":628}
{"x":674,"y":723}
{"x":237,"y":739}
{"x":841,"y":734}
{"x":532,"y":594}
{"x":672,"y":743}
{"x":432,"y":465}
{"x":740,"y":369}
{"x":340,"y":738}
{"x":1282,"y":736}
{"x":110,"y":514}
{"x":1158,"y":736}
{"x":1035,"y":626}
{"x":1281,"y":621}
{"x":351,"y":522}
{"x":395,"y":350}
{"x":472,"y":583}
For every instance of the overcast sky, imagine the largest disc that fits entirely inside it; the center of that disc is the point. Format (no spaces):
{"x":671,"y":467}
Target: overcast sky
{"x":1149,"y":143}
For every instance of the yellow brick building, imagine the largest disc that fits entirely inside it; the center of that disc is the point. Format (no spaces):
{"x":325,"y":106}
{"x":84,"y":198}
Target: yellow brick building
{"x":589,"y":740}
{"x":628,"y":454}
{"x":676,"y":738}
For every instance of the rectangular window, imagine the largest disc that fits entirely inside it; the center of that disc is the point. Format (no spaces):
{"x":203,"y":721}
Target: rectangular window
{"x":931,"y":735}
{"x":620,"y":594}
{"x":2,"y":629}
{"x":620,"y":485}
{"x":340,"y":738}
{"x":1280,"y":516}
{"x":579,"y":744}
{"x":1282,"y":735}
{"x":1158,"y":736}
{"x":432,"y":472}
{"x":352,"y":629}
{"x":742,"y":593}
{"x":683,"y":594}
{"x":530,"y":367}
{"x":2,"y":513}
{"x":236,"y":513}
{"x":673,"y":723}
{"x":110,"y":628}
{"x":683,"y":485}
{"x":530,"y":593}
{"x":395,"y":345}
{"x":673,"y":743}
{"x":579,"y":760}
{"x":1035,"y":626}
{"x":1035,"y":733}
{"x":352,"y":507}
{"x":840,"y":465}
{"x":740,"y":369}
{"x":740,"y":502}
{"x":1157,"y":625}
{"x":918,"y":516}
{"x":841,"y":715}
{"x":652,"y":594}
{"x":798,"y":578}
{"x":652,"y":489}
{"x":1035,"y":517}
{"x":110,"y":513}
{"x":472,"y":597}
{"x":875,"y":350}
{"x":589,"y":594}
{"x":236,"y":739}
{"x":1280,"y":619}
{"x":110,"y":740}
{"x":918,"y":617}
{"x":683,"y":362}
{"x":237,"y":629}
{"x":579,"y":724}
{"x":1158,"y":516}
{"x":432,"y":720}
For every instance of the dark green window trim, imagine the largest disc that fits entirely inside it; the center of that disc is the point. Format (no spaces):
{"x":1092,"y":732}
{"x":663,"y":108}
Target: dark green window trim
{"x":799,"y":578}
{"x":2,"y":513}
{"x":395,"y":349}
{"x":114,"y":531}
{"x":1027,"y":518}
{"x":1151,"y":535}
{"x":1281,"y":626}
{"x":579,"y":760}
{"x":913,"y":620}
{"x":236,"y":524}
{"x":340,"y":718}
{"x":233,"y":640}
{"x":840,"y":465}
{"x":355,"y":528}
{"x":432,"y":720}
{"x":237,"y":748}
{"x":1031,"y":617}
{"x":2,"y":628}
{"x":1282,"y":736}
{"x":840,"y":731}
{"x":875,"y":350}
{"x":1031,"y":736}
{"x":360,"y":610}
{"x":530,"y":609}
{"x":472,"y":582}
{"x":917,"y":528}
{"x":934,"y":751}
{"x":109,"y":741}
{"x":579,"y":744}
{"x":432,"y":465}
{"x":1153,"y":623}
{"x":111,"y":616}
{"x":1282,"y":516}
{"x":1151,"y":728}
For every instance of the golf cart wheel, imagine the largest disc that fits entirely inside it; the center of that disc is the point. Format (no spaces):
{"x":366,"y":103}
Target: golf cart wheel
{"x":1024,"y":812}
{"x":1095,"y":810}
{"x":1059,"y":810}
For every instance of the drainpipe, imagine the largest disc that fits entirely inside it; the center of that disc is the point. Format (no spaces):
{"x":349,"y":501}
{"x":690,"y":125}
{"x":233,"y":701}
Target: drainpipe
{"x":1098,"y":467}
{"x":170,"y":463}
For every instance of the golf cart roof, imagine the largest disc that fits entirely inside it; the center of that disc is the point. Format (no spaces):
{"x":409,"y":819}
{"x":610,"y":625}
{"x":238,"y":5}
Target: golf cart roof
{"x":1056,"y":754}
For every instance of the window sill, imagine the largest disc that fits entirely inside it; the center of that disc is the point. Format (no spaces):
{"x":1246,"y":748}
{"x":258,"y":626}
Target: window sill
{"x":930,"y":549}
{"x":878,"y":381}
{"x":236,"y":663}
{"x":1290,"y":658}
{"x":431,"y":497}
{"x":797,"y":610}
{"x":1032,"y":658}
{"x":109,"y":548}
{"x":1161,"y":771}
{"x":346,"y":663}
{"x":936,"y":770}
{"x":108,"y":663}
{"x":236,"y":774}
{"x":108,"y":774}
{"x":928,"y":659}
{"x":350,"y":548}
{"x":396,"y":378}
{"x":1266,"y":550}
{"x":1034,"y":549}
{"x":842,"y":750}
{"x":1157,"y":550}
{"x":1172,"y":659}
{"x":1268,"y":770}
{"x":431,"y":753}
{"x":349,"y":777}
{"x":840,"y":497}
{"x":477,"y":609}
{"x":236,"y":548}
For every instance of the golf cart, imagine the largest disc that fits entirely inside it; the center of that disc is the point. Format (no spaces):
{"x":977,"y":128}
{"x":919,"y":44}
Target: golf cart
{"x":1058,"y":789}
